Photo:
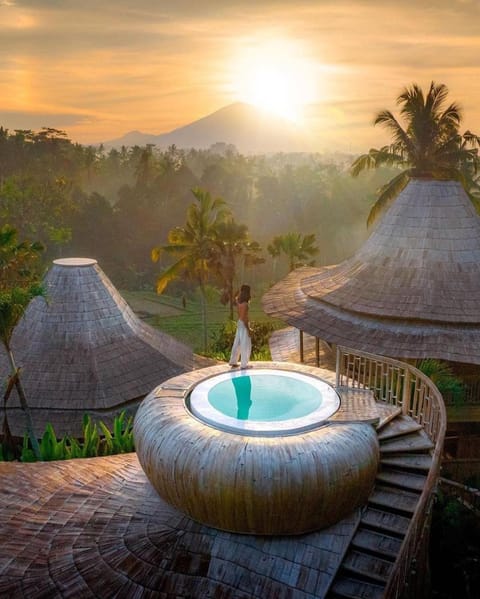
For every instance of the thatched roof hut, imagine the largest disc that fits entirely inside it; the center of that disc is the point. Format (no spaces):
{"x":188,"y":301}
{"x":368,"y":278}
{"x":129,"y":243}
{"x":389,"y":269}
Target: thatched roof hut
{"x":82,"y":349}
{"x":411,"y":291}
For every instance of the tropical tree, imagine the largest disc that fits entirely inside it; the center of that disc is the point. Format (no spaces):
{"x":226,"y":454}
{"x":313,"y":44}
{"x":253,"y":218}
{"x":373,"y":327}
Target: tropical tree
{"x":145,"y":166}
{"x":19,"y":284}
{"x":449,"y":385}
{"x":428,"y":144}
{"x":194,"y":246}
{"x":299,"y":249}
{"x":233,"y":247}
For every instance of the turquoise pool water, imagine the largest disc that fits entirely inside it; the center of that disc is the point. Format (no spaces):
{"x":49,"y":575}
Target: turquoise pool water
{"x":263,"y":401}
{"x":265,"y":398}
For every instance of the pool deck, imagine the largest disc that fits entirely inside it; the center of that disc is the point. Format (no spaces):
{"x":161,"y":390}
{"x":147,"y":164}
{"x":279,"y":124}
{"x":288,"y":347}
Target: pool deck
{"x":357,"y":405}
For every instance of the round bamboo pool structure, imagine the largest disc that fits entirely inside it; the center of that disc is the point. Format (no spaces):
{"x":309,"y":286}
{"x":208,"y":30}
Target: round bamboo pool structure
{"x":285,"y":483}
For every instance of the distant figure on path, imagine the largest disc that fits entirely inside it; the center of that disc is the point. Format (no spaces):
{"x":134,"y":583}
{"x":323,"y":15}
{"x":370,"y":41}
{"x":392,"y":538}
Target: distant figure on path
{"x":242,"y":345}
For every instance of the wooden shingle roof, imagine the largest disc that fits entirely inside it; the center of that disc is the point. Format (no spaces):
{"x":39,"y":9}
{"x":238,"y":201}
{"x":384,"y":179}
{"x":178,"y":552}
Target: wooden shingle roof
{"x":412,"y":290}
{"x":97,"y":528}
{"x":83,"y":349}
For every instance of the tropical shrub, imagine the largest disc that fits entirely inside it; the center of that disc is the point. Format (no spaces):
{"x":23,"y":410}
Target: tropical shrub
{"x":97,"y":440}
{"x":449,"y":385}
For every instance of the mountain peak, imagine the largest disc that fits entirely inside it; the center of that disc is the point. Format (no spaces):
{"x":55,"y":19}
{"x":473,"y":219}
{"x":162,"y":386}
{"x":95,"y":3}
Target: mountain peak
{"x":249,"y":128}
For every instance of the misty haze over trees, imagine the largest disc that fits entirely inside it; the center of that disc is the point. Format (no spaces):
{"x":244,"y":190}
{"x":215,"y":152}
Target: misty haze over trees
{"x":117,"y":205}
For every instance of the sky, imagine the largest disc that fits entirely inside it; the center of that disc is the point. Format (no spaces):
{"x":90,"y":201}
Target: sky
{"x":99,"y":69}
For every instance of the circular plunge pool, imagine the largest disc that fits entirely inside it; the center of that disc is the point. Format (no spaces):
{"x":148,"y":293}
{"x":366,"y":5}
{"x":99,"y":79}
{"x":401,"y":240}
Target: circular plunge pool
{"x":263,"y":401}
{"x":271,"y":478}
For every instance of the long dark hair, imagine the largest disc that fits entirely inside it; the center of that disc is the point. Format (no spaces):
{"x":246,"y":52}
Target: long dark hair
{"x":244,"y":294}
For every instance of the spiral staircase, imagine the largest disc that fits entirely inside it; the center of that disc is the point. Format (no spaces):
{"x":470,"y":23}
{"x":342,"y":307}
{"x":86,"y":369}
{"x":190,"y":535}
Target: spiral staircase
{"x":405,"y":460}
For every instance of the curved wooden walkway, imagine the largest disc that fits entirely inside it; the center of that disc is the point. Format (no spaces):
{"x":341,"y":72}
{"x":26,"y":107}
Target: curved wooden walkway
{"x":96,"y":528}
{"x":285,"y":347}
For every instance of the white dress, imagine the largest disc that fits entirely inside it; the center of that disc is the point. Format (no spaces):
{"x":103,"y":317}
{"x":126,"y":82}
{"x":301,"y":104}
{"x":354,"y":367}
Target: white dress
{"x":242,"y":345}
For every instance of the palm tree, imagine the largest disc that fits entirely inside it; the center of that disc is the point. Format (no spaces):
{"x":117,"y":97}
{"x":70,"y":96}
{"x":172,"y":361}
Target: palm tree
{"x":298,"y":248}
{"x":233,"y":245}
{"x":427,"y":145}
{"x":19,"y":284}
{"x":194,"y":246}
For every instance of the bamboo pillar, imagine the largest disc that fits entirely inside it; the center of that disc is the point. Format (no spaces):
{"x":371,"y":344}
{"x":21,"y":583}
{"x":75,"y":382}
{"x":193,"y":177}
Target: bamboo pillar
{"x":302,"y":356}
{"x":337,"y":368}
{"x":406,"y":395}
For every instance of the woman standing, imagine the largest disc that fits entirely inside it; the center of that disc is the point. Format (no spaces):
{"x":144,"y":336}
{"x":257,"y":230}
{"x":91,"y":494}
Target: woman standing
{"x":242,"y":344}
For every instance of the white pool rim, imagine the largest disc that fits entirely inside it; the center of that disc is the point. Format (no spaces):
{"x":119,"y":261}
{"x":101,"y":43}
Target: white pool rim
{"x":202,"y":409}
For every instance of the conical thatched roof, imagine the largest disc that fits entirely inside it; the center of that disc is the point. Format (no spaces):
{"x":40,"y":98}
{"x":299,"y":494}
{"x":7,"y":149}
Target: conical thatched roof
{"x":411,"y":291}
{"x":82,"y":349}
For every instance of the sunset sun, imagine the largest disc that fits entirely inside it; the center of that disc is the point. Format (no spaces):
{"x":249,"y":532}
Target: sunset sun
{"x":277,"y":78}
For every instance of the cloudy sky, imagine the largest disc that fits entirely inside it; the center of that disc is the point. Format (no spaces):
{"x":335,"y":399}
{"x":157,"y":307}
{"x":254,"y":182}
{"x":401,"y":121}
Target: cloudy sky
{"x":98,"y":69}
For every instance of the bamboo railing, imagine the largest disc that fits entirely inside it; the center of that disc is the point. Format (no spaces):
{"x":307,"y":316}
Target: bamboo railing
{"x":399,"y":384}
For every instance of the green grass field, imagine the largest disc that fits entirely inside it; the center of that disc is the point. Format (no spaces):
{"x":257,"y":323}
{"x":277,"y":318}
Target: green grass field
{"x":185,"y":324}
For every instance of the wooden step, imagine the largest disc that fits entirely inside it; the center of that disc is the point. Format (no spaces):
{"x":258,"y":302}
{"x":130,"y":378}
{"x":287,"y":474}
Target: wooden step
{"x":417,"y":441}
{"x":420,"y":462}
{"x":395,"y":500}
{"x":382,"y":520}
{"x":401,"y":425}
{"x":357,"y":405}
{"x":367,"y":566}
{"x":345,"y":586}
{"x":404,"y":480}
{"x":387,"y":413}
{"x":385,"y":546}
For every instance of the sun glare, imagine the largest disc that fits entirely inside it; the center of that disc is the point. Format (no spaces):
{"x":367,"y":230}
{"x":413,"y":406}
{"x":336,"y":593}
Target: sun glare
{"x":277,"y":78}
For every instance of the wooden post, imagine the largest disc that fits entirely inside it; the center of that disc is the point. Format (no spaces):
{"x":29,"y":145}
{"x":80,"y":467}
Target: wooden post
{"x":301,"y":347}
{"x":317,"y":352}
{"x":337,"y":368}
{"x":406,"y":395}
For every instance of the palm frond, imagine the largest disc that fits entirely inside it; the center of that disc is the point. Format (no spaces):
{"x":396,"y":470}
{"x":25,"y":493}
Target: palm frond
{"x":475,"y":201}
{"x":470,"y":138}
{"x":452,"y":116}
{"x":386,"y":196}
{"x":387,"y":120}
{"x":363,"y":163}
{"x":274,"y":248}
{"x":156,"y":253}
{"x":171,"y":273}
{"x":178,"y":236}
{"x":437,"y":94}
{"x":386,"y":156}
{"x":412,"y":101}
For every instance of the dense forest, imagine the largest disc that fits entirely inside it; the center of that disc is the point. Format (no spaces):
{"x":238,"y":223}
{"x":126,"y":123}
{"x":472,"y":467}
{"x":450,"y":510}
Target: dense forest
{"x":116,"y":205}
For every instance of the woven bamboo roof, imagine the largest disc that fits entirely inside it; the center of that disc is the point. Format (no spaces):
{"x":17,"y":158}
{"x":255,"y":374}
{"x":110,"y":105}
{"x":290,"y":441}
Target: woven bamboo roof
{"x":412,"y":290}
{"x":83,"y":349}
